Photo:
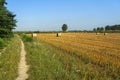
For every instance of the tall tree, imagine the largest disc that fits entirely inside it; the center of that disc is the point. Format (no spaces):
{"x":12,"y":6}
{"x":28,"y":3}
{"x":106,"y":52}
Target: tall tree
{"x":94,"y":29}
{"x":64,"y":27}
{"x":107,"y":28}
{"x":2,"y":2}
{"x":101,"y":29}
{"x":7,"y":21}
{"x":98,"y":29}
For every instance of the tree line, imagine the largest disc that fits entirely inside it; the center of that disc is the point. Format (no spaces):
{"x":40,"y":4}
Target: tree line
{"x":114,"y":27}
{"x":108,"y":28}
{"x":7,"y":20}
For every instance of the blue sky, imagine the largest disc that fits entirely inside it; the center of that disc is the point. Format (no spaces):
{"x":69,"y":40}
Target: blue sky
{"x":49,"y":15}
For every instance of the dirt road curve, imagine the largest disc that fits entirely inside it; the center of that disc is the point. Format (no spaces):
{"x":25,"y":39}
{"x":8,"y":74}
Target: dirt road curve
{"x":23,"y":67}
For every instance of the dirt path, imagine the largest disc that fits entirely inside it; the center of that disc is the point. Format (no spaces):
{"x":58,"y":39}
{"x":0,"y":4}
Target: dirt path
{"x":23,"y":67}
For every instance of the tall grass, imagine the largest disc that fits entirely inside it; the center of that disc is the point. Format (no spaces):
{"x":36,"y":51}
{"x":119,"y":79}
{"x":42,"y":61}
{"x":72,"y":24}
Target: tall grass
{"x":4,"y":42}
{"x":50,"y":63}
{"x":9,"y":60}
{"x":45,"y":63}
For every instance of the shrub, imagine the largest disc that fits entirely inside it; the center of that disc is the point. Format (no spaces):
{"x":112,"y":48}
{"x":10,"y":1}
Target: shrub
{"x":27,"y":38}
{"x":2,"y":43}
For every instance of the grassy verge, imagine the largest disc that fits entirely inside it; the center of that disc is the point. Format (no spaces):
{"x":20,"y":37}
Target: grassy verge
{"x":9,"y":60}
{"x":45,"y":63}
{"x":4,"y":42}
{"x":49,"y":63}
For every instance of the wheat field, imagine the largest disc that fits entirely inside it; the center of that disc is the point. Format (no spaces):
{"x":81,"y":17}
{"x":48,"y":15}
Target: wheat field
{"x":99,"y":52}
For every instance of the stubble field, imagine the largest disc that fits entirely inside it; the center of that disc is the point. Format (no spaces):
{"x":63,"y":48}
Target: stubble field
{"x":100,"y":52}
{"x":75,"y":56}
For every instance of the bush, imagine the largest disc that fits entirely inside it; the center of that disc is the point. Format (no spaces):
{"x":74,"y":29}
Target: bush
{"x":27,"y":38}
{"x":2,"y":43}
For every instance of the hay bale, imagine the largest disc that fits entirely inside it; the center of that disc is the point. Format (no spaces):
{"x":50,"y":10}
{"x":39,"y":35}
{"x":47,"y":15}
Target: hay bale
{"x":34,"y":35}
{"x":58,"y":35}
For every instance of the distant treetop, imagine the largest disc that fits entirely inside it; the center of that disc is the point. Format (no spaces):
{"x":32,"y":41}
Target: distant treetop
{"x":64,"y":27}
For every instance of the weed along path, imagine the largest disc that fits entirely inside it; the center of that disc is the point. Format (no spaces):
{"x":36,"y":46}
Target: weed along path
{"x":23,"y":67}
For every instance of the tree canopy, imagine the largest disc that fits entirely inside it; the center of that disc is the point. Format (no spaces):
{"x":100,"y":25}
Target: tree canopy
{"x":7,"y":21}
{"x":2,"y":2}
{"x":113,"y":27}
{"x":64,"y":27}
{"x":107,"y":28}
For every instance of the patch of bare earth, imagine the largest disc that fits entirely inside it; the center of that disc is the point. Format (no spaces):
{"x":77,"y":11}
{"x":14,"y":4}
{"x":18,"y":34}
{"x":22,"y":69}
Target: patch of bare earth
{"x":23,"y":67}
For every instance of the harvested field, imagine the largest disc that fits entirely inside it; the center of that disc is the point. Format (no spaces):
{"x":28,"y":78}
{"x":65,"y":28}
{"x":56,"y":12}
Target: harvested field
{"x":101,"y":52}
{"x":86,"y":56}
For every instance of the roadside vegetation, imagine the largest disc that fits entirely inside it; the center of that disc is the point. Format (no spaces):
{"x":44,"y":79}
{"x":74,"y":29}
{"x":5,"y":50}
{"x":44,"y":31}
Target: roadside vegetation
{"x":3,"y":43}
{"x":9,"y":59}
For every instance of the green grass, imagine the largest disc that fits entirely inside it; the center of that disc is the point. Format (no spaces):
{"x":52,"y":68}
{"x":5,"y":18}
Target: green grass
{"x":48,"y":63}
{"x":45,"y":63}
{"x":4,"y":42}
{"x":9,"y":60}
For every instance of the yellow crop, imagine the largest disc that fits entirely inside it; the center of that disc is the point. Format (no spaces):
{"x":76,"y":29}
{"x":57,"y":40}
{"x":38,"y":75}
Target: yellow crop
{"x":102,"y":50}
